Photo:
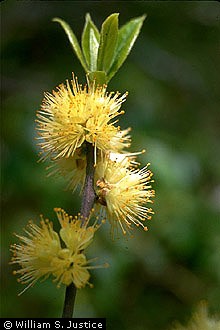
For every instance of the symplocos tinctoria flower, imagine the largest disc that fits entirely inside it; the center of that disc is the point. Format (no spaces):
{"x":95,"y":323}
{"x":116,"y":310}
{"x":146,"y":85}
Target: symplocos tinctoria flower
{"x":43,"y":252}
{"x":74,"y":114}
{"x":124,"y":190}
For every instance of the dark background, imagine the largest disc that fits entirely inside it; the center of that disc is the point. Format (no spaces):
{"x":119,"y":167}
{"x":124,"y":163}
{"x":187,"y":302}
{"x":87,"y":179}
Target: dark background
{"x":173,"y":79}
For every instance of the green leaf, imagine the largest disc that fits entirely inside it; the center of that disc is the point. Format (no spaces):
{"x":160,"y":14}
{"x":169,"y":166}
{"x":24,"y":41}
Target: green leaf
{"x":90,"y":43}
{"x":73,"y":40}
{"x":98,"y":76}
{"x":128,"y":33}
{"x":108,"y":42}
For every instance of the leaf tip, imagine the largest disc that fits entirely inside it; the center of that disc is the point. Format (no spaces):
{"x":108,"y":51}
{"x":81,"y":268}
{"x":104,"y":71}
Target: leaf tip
{"x":88,"y":17}
{"x":56,"y":19}
{"x":113,"y":16}
{"x":143,"y":17}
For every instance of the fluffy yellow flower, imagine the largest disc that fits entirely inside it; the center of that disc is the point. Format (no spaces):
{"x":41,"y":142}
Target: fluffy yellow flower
{"x":73,"y":114}
{"x":36,"y":252}
{"x":72,"y":169}
{"x":124,"y":191}
{"x":72,"y":268}
{"x":200,"y":320}
{"x":42,"y":254}
{"x":75,"y":235}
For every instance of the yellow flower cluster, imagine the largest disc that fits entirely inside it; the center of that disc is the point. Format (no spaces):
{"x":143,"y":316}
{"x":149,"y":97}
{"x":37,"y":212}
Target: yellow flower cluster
{"x":44,"y":252}
{"x":200,"y":320}
{"x":124,"y":191}
{"x":69,"y":119}
{"x":74,"y":115}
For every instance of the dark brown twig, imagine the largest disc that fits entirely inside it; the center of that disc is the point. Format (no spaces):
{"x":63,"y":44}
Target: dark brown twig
{"x":88,"y":199}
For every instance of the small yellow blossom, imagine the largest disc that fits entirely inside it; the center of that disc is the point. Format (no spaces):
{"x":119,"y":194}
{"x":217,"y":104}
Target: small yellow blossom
{"x":75,"y":236}
{"x":43,"y":252}
{"x":200,"y":320}
{"x":72,"y":268}
{"x":36,"y":252}
{"x":124,"y":191}
{"x":72,"y":169}
{"x":73,"y":114}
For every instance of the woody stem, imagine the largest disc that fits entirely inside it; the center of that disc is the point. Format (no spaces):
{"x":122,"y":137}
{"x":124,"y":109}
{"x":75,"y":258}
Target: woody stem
{"x":88,"y":199}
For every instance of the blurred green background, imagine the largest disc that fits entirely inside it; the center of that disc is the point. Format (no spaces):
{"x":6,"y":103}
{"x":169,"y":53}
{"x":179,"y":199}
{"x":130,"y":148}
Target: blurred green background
{"x":173,"y":79}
